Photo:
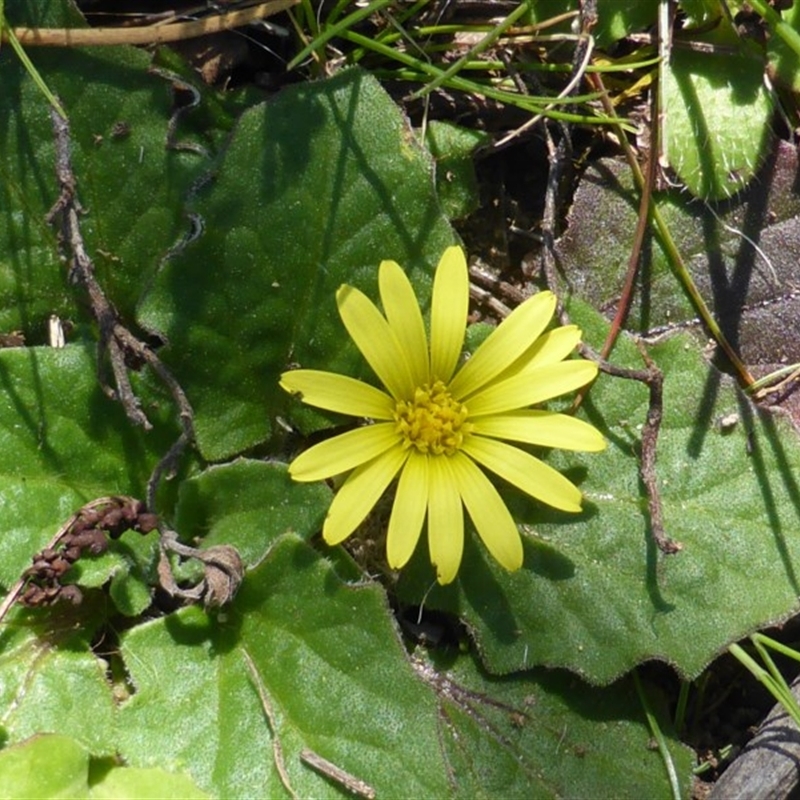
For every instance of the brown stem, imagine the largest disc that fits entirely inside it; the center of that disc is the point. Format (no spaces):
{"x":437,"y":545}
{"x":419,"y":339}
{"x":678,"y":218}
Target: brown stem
{"x":653,"y":378}
{"x":116,"y":339}
{"x":145,"y":35}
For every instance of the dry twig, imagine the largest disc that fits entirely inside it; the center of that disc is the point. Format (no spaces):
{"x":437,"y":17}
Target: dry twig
{"x":653,"y":378}
{"x":149,"y":34}
{"x":125,"y":351}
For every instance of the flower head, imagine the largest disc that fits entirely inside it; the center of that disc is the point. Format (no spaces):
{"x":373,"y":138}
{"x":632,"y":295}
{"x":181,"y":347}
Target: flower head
{"x":435,"y":425}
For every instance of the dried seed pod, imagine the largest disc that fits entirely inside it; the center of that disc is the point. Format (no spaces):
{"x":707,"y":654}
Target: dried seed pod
{"x":72,"y":553}
{"x":60,"y":565}
{"x":113,"y":519}
{"x":32,"y":596}
{"x":224,"y":571}
{"x":87,"y":532}
{"x":146,"y":522}
{"x":70,"y":593}
{"x":93,"y":540}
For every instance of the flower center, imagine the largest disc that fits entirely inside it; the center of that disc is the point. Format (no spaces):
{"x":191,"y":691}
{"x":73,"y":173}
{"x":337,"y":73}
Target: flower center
{"x":433,"y":421}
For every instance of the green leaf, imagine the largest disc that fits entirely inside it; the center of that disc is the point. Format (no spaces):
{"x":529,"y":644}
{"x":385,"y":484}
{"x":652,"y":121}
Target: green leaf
{"x":48,"y":766}
{"x":130,"y":587}
{"x":249,"y":504}
{"x":594,"y":595}
{"x":50,"y":681}
{"x":716,"y":117}
{"x":55,"y":766}
{"x":130,"y":184}
{"x":701,"y":12}
{"x":336,"y":681}
{"x":131,"y":783}
{"x":749,"y":289}
{"x":331,"y":664}
{"x":315,"y":189}
{"x":128,"y":566}
{"x":615,"y":18}
{"x":451,"y":147}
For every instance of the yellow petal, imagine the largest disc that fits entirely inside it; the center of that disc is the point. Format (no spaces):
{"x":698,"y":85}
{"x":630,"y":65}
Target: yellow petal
{"x":544,"y":428}
{"x":505,"y":345}
{"x":408,"y":512}
{"x":376,"y":340}
{"x":525,"y":472}
{"x":402,"y":311}
{"x":338,"y":393}
{"x":445,"y":519}
{"x":344,"y":452}
{"x":549,"y":348}
{"x":359,"y":494}
{"x":532,"y":387}
{"x":449,"y":308}
{"x":489,"y":513}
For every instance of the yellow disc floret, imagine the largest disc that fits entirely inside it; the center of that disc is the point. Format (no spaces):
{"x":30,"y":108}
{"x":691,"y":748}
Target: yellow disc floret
{"x":433,"y":422}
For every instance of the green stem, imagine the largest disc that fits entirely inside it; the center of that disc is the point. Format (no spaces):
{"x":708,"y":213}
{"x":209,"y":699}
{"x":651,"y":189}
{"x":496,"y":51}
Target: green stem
{"x":789,"y":652}
{"x":534,"y":105}
{"x":683,"y":701}
{"x":485,"y":43}
{"x":671,"y":249}
{"x":337,"y":30}
{"x":783,"y":372}
{"x":658,"y":735}
{"x":779,"y":24}
{"x":776,"y":687}
{"x":7,"y":32}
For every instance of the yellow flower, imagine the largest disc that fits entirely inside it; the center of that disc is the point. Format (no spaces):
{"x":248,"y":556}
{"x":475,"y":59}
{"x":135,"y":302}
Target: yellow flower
{"x":435,"y":423}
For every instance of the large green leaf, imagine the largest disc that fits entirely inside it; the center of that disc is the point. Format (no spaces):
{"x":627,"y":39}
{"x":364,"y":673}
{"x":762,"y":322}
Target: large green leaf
{"x":331,"y":664}
{"x":337,"y":682}
{"x":315,"y":189}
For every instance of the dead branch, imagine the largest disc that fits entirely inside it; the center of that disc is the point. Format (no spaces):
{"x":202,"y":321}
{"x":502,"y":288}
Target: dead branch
{"x":125,"y":350}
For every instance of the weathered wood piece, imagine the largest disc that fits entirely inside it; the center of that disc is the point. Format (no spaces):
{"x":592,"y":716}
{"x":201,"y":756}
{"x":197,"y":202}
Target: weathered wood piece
{"x":769,"y":767}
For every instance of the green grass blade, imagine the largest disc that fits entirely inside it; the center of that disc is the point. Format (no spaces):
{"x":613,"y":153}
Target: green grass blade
{"x":337,"y":30}
{"x":7,"y":33}
{"x":778,"y":689}
{"x":486,"y":42}
{"x":658,"y":735}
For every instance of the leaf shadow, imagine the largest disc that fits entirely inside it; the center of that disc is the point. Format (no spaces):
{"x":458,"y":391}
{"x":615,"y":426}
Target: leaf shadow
{"x":413,"y":239}
{"x":755,"y":421}
{"x":750,"y":415}
{"x":33,"y":419}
